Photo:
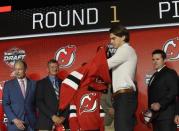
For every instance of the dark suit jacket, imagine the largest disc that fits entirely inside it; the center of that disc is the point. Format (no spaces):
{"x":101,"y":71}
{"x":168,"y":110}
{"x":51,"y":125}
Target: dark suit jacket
{"x":163,"y":89}
{"x":15,"y":106}
{"x":177,"y":107}
{"x":47,"y":104}
{"x":177,"y":102}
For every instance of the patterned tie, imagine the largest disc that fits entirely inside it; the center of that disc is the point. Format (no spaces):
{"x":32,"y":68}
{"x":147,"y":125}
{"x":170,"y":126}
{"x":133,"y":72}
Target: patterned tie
{"x":55,"y":85}
{"x":22,"y":85}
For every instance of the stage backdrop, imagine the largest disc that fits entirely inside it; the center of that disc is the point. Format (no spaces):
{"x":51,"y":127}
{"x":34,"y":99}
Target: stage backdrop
{"x":71,"y":31}
{"x":72,"y":50}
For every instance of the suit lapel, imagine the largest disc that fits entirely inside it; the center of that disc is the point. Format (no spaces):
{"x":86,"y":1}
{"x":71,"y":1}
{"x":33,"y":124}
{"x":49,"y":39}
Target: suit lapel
{"x":17,"y":86}
{"x":28,"y":88}
{"x":158,"y":75}
{"x":51,"y":88}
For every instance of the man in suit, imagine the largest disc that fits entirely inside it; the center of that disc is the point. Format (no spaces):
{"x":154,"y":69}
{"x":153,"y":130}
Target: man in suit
{"x":176,"y":120}
{"x":177,"y":113}
{"x":19,"y":100}
{"x":47,"y":99}
{"x":162,"y":92}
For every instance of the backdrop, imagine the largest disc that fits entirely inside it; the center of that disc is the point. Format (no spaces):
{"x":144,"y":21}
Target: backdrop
{"x":72,"y":50}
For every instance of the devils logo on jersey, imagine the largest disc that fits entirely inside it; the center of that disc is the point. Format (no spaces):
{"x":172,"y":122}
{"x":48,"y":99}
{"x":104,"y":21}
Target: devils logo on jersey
{"x":66,"y":56}
{"x":88,"y":103}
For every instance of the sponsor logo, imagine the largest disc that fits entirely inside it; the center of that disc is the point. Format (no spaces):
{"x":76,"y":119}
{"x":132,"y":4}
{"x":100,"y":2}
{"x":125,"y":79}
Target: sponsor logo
{"x":88,"y":103}
{"x":110,"y":50}
{"x":5,"y":120}
{"x":13,"y":55}
{"x":66,"y":56}
{"x":147,"y":78}
{"x":171,"y":47}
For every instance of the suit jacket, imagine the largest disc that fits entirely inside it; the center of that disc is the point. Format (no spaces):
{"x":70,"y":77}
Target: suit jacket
{"x":177,"y":102}
{"x":163,"y":89}
{"x":16,"y":106}
{"x":47,"y":104}
{"x":177,"y":107}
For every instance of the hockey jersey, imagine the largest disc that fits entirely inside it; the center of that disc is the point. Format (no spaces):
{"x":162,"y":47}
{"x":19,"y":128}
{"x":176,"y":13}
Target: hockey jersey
{"x":86,"y":112}
{"x":84,"y":75}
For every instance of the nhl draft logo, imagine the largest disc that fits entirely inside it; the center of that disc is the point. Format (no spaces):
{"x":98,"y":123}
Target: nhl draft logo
{"x":13,"y":55}
{"x":66,"y":56}
{"x":88,"y":103}
{"x":171,"y":47}
{"x":110,"y":50}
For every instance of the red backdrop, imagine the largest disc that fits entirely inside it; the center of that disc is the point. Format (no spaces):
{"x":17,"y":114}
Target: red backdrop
{"x":39,"y":50}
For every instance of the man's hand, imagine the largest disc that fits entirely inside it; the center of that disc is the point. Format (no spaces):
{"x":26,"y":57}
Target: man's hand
{"x":62,"y":119}
{"x":57,"y":120}
{"x":19,"y":124}
{"x":155,"y":106}
{"x":176,"y":120}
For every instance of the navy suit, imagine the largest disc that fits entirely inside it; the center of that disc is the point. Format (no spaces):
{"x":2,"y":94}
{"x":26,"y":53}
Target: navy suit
{"x":16,"y":106}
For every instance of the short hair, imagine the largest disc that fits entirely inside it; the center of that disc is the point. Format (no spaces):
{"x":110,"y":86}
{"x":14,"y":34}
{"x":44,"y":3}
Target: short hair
{"x":120,"y":30}
{"x":161,"y":52}
{"x":21,"y":62}
{"x":52,"y":61}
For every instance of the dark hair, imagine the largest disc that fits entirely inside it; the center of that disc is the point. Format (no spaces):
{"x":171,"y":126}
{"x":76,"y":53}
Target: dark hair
{"x":120,"y":30}
{"x":22,"y":62}
{"x":161,"y":52}
{"x":52,"y":61}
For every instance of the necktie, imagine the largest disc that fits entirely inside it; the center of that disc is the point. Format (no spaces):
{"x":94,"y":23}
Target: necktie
{"x":22,"y":85}
{"x":55,"y":85}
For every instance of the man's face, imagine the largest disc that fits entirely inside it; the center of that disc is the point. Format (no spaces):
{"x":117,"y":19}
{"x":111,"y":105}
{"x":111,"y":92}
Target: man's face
{"x":117,"y":41}
{"x":20,"y":71}
{"x":53,"y":69}
{"x":158,"y":61}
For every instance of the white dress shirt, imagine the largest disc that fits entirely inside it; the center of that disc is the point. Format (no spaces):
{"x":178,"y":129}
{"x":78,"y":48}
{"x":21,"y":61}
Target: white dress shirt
{"x":123,"y":64}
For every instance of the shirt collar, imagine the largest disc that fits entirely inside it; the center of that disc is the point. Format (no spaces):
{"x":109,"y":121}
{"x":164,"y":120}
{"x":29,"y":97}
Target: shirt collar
{"x":24,"y":79}
{"x":52,"y":78}
{"x":158,"y":70}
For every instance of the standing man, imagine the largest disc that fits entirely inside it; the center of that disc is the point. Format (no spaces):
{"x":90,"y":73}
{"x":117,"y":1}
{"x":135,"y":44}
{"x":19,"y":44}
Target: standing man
{"x":19,"y":100}
{"x":123,"y":64}
{"x":47,"y":99}
{"x":177,"y":114}
{"x":177,"y":110}
{"x":162,"y":91}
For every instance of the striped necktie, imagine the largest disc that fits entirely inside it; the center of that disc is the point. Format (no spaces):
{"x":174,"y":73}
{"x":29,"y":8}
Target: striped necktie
{"x":55,"y":85}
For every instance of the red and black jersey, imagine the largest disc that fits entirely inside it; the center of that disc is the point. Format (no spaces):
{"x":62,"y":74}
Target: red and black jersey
{"x":86,"y":112}
{"x":83,"y":76}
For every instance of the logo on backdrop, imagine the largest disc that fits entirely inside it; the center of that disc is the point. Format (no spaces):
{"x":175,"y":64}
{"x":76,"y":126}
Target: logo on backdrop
{"x":88,"y":103}
{"x":5,"y":119}
{"x":1,"y":90}
{"x":66,"y":56}
{"x":110,"y":50}
{"x":171,"y":47}
{"x":13,"y":55}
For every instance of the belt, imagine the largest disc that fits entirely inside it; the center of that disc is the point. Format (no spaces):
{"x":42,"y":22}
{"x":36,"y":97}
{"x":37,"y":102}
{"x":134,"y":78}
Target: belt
{"x":122,"y":91}
{"x":91,"y":130}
